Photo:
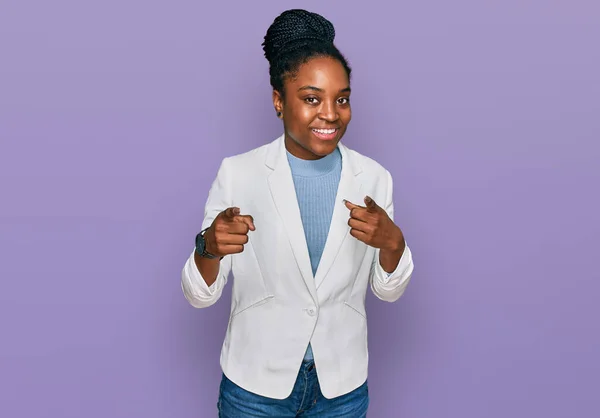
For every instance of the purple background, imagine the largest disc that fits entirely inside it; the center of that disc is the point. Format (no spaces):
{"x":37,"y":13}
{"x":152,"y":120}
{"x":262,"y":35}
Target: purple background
{"x":114,"y":117}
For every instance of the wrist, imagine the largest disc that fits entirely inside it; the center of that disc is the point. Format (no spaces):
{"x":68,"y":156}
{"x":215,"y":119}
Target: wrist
{"x":207,"y":240}
{"x":203,"y":245}
{"x":396,"y":244}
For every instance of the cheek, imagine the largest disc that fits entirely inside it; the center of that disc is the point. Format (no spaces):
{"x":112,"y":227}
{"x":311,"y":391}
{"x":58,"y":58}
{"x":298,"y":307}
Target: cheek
{"x":346,"y":115}
{"x":305,"y":115}
{"x":301,"y":119}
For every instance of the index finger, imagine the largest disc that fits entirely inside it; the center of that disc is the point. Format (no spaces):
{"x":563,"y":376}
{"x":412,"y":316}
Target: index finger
{"x":246,"y":219}
{"x":351,"y":205}
{"x":356,"y":211}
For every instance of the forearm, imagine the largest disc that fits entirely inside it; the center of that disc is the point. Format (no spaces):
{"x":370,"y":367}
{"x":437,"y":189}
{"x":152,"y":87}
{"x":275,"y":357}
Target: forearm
{"x":390,"y":257}
{"x":202,"y":292}
{"x":203,"y":279}
{"x":208,"y":268}
{"x":390,"y":285}
{"x":391,"y":253}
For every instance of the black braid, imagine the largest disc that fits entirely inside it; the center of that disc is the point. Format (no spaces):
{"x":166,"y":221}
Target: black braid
{"x":295,"y":37}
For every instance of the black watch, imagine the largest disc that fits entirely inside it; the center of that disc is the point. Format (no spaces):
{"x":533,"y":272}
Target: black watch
{"x":201,"y":246}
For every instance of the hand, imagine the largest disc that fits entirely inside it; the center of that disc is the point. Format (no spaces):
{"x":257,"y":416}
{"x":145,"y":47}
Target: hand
{"x":373,"y":226}
{"x":228,"y":232}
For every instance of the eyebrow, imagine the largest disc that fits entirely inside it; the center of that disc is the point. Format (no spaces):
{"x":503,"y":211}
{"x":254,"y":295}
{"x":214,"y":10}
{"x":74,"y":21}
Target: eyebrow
{"x":344,"y":90}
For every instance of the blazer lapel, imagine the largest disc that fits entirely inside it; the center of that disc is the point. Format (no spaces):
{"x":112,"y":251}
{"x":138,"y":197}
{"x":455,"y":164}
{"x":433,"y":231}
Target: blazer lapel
{"x":349,"y":189}
{"x":283,"y":192}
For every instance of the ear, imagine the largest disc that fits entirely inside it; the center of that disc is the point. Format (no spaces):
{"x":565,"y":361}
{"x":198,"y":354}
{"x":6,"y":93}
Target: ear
{"x":277,"y":101}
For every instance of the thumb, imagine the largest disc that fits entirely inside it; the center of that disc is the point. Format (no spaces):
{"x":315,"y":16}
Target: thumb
{"x":371,"y":205}
{"x":230,"y":213}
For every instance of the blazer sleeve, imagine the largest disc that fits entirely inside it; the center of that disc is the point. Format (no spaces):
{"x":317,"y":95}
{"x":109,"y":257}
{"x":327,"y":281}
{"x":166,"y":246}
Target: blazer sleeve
{"x":195,"y":289}
{"x":390,"y":286}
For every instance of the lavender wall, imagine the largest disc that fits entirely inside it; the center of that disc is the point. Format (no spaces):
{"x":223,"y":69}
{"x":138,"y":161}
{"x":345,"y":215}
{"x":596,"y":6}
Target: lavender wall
{"x":114,"y":116}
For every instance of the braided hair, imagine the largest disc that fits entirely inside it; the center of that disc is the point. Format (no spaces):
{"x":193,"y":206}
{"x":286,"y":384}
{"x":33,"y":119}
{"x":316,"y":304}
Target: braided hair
{"x":294,"y":37}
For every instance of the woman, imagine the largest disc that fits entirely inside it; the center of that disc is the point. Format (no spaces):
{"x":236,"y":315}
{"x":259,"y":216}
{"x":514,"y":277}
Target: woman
{"x":287,"y":219}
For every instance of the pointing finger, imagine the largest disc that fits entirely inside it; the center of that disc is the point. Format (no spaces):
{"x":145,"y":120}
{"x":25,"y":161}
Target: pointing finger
{"x":247,"y":219}
{"x":356,"y":211}
{"x":351,"y":206}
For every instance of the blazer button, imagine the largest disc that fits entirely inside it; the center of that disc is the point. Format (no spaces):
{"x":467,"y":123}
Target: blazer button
{"x":311,"y":311}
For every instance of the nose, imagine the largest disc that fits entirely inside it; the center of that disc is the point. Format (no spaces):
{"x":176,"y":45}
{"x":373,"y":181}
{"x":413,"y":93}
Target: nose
{"x":328,"y":112}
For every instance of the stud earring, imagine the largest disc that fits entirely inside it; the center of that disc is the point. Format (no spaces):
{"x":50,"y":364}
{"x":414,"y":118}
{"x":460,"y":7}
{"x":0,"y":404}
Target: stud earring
{"x":279,"y":114}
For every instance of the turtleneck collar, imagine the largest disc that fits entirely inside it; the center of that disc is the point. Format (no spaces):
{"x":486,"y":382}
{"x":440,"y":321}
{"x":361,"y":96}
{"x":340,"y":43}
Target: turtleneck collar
{"x":314,"y":168}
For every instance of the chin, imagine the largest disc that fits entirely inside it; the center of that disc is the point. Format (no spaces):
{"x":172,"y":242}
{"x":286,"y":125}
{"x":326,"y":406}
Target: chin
{"x":316,"y":147}
{"x":324,"y":149}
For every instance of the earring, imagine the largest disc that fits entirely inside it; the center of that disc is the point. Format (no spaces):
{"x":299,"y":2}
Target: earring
{"x":279,"y":115}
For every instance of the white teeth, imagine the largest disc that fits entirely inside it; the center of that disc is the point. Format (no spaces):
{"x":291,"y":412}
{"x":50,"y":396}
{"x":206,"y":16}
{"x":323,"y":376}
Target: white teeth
{"x":325,"y":131}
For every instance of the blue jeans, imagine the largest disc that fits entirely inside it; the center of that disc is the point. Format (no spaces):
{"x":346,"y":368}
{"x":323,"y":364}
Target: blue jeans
{"x":306,"y":400}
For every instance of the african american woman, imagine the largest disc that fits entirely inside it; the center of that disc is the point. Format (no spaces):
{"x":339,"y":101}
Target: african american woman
{"x":305,"y":225}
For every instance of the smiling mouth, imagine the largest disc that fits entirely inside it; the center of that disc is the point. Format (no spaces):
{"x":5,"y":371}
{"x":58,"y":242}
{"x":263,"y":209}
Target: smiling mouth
{"x":325,"y":134}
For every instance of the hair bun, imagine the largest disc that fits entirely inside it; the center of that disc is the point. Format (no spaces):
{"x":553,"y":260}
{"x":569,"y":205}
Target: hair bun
{"x":295,"y":28}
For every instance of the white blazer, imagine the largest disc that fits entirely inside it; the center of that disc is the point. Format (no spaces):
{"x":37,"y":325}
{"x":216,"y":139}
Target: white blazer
{"x":277,"y":306}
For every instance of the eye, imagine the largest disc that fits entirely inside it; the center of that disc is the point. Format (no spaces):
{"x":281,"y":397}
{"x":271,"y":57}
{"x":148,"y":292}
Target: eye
{"x":311,"y":100}
{"x":343,"y":100}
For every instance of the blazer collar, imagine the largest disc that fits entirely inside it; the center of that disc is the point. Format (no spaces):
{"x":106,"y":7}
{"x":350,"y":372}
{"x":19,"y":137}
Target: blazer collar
{"x":276,"y":154}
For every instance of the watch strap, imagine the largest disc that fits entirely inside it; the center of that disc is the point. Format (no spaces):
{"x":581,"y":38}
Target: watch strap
{"x":205,"y":253}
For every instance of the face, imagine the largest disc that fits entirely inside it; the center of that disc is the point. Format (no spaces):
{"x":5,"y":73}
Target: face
{"x":315,"y":108}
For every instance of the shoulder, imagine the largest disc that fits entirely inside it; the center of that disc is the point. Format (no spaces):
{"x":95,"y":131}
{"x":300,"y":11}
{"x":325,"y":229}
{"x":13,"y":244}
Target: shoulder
{"x":252,"y":158}
{"x":376,"y":180}
{"x":368,"y":164}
